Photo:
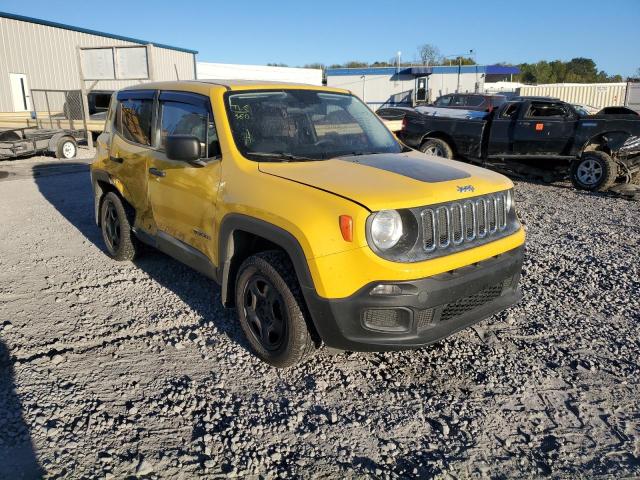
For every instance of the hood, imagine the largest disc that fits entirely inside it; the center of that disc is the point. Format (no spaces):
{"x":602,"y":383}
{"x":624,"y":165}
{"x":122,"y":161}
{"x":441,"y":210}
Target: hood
{"x":392,"y":181}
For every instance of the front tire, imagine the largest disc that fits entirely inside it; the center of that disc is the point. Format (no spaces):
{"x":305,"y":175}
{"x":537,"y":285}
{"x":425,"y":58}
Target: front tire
{"x":594,"y":171}
{"x":437,"y":147}
{"x":272,"y":311}
{"x":121,"y":243}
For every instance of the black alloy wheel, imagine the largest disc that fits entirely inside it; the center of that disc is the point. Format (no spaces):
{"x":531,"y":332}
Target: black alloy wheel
{"x":112,"y":227}
{"x":265,"y":312}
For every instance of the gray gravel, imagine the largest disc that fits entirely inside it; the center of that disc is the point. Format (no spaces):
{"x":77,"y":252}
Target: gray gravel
{"x":112,"y":370}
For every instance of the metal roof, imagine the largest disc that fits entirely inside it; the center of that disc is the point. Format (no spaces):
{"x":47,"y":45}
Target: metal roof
{"x":47,"y":23}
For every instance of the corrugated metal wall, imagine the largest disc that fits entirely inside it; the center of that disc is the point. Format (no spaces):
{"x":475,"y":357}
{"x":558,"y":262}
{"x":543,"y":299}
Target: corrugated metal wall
{"x":47,"y":55}
{"x":598,"y":95}
{"x":374,"y":90}
{"x":442,"y":83}
{"x":378,"y":90}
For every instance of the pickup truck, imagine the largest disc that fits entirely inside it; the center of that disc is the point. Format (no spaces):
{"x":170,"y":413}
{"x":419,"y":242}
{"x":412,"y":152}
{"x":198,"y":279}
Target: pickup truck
{"x":540,"y":136}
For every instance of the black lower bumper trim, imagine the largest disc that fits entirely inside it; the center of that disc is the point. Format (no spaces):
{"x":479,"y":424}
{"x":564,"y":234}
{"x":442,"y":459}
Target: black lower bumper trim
{"x":426,"y":311}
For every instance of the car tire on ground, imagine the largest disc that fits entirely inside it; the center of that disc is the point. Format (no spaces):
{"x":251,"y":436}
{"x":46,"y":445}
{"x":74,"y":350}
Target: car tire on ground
{"x":594,"y":171}
{"x":272,"y":311}
{"x":437,"y":147}
{"x":67,"y":148}
{"x":121,"y":243}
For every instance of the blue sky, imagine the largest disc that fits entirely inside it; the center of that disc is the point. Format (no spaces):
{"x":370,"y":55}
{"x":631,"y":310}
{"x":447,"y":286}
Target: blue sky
{"x":328,"y":31}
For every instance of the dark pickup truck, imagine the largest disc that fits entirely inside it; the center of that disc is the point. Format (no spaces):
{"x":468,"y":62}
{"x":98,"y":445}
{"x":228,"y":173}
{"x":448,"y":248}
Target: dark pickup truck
{"x":546,"y":137}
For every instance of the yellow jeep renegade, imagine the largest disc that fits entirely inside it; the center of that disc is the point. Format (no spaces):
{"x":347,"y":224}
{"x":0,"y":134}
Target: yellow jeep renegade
{"x":317,"y":224}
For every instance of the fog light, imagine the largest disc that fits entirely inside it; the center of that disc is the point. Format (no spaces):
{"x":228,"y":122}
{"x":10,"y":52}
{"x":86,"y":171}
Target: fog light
{"x":383,"y":289}
{"x":387,"y":320}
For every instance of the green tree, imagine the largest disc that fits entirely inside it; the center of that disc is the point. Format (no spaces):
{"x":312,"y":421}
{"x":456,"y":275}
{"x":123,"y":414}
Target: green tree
{"x":577,"y":70}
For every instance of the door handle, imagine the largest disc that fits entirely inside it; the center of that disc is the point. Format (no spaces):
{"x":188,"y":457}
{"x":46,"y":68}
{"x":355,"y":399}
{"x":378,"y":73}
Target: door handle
{"x":156,"y":172}
{"x":116,"y":159}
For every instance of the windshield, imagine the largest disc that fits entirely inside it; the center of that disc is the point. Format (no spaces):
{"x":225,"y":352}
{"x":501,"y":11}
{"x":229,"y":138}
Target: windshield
{"x":299,"y":125}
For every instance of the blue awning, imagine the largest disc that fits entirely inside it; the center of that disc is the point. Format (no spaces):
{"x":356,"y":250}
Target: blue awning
{"x":501,"y":70}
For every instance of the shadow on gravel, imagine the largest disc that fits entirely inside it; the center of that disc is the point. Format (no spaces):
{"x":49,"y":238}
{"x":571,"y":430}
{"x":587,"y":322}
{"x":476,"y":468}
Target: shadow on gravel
{"x":71,"y":194}
{"x":17,"y":456}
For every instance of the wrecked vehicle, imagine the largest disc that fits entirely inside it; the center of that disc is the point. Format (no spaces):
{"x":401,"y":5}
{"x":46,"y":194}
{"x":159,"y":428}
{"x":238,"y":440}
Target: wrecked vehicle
{"x":319,"y":226}
{"x":545,"y":137}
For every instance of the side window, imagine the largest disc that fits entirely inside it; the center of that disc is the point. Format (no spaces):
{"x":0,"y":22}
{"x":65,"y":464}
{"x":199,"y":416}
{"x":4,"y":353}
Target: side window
{"x":134,"y":119}
{"x":185,"y":114}
{"x":443,"y":101}
{"x":457,"y":101}
{"x":111,"y":114}
{"x":474,"y":101}
{"x":545,"y":110}
{"x":510,"y":111}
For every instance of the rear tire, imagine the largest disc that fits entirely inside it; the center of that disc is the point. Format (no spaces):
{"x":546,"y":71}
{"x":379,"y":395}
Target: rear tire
{"x":66,"y":148}
{"x":272,"y":311}
{"x":436,"y":147}
{"x":121,"y":243}
{"x":594,"y":171}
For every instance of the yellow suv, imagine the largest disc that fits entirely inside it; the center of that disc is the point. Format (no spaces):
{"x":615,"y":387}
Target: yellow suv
{"x":317,"y":224}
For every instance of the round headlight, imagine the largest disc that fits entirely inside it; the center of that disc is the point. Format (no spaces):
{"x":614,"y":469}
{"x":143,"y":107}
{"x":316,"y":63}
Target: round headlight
{"x":509,"y":203}
{"x":386,"y":229}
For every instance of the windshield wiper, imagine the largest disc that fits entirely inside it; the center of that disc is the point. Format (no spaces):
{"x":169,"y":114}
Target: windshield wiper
{"x":357,"y":154}
{"x":287,"y":157}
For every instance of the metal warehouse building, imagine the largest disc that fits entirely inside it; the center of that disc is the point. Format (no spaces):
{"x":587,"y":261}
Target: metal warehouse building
{"x":40,"y":55}
{"x":410,"y":85}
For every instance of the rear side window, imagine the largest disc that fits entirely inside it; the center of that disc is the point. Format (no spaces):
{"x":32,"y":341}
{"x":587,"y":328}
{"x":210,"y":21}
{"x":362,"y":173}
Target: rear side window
{"x":443,"y":101}
{"x":474,"y":101}
{"x":546,"y":110}
{"x":134,"y":116}
{"x":187,"y":114}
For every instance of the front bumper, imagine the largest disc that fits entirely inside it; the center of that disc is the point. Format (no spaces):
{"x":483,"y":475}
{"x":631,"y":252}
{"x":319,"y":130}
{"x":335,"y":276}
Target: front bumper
{"x":427,"y":310}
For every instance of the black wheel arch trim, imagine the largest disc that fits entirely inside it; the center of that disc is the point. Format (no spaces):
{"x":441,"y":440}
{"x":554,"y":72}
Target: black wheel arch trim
{"x":99,"y":176}
{"x":613,"y":140}
{"x":234,"y":222}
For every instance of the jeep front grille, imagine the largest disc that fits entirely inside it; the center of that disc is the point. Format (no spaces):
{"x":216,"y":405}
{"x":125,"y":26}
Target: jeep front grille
{"x":467,"y":222}
{"x":445,"y":228}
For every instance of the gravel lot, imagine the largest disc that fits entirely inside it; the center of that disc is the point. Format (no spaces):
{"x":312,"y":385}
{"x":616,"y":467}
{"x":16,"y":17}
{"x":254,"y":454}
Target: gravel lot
{"x":109,"y":370}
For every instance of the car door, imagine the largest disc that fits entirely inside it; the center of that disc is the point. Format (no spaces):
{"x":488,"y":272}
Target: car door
{"x":183,"y":196}
{"x":130,"y":146}
{"x":502,"y":127}
{"x":544,"y":128}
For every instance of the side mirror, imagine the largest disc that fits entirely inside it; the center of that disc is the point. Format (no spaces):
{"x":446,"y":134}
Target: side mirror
{"x":185,"y":148}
